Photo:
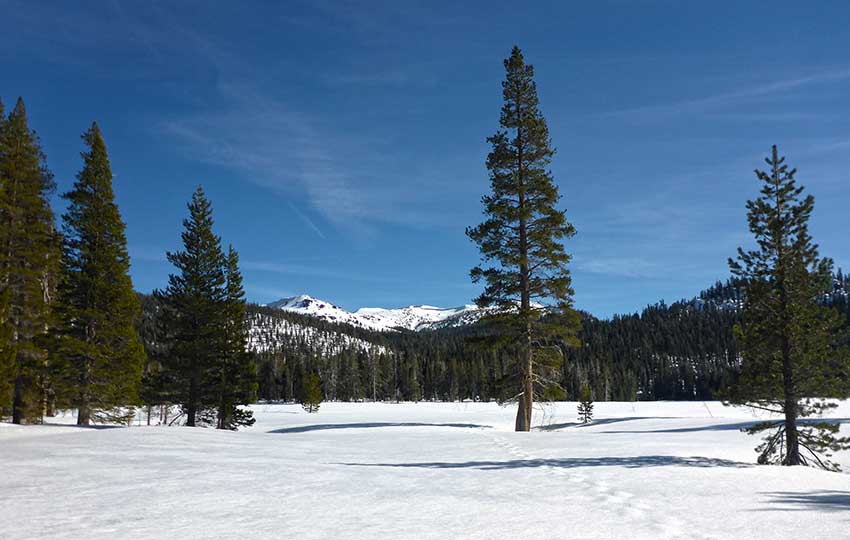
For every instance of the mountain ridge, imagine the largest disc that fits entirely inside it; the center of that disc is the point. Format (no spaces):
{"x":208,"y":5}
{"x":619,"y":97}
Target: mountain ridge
{"x":413,"y":318}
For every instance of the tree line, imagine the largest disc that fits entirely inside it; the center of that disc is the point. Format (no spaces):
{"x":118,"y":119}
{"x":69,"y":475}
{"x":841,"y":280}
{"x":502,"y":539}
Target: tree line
{"x":683,"y":351}
{"x":69,"y":317}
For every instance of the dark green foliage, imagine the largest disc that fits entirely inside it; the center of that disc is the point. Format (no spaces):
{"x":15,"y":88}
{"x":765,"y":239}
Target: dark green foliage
{"x":682,"y":351}
{"x":196,"y":331}
{"x":793,"y":345}
{"x":237,"y":371}
{"x":310,"y":393}
{"x":101,"y":354}
{"x":193,"y":313}
{"x":679,"y":352}
{"x":29,"y":259}
{"x":522,"y":239}
{"x":156,"y":386}
{"x":7,"y":349}
{"x":585,"y":405}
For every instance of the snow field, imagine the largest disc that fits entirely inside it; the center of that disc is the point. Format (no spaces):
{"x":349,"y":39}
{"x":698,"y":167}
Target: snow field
{"x":427,"y":470}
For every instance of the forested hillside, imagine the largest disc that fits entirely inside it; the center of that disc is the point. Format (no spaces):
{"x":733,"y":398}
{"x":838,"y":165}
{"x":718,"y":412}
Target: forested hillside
{"x":681,"y":351}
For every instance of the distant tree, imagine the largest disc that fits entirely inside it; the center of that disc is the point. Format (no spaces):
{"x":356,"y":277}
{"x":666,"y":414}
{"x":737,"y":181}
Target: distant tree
{"x":237,"y":383}
{"x":585,"y":405}
{"x":29,"y":260}
{"x":414,"y":388}
{"x":193,"y":310}
{"x":100,"y":348}
{"x":530,"y":284}
{"x":156,"y":339}
{"x":793,"y":346}
{"x":310,"y":393}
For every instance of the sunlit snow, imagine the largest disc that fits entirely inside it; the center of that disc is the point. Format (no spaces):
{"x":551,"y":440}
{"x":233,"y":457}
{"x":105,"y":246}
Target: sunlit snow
{"x":419,"y":471}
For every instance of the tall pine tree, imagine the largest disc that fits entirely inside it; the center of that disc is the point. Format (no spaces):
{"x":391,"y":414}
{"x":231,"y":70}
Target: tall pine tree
{"x":7,"y":350}
{"x":793,"y":347}
{"x":193,"y":305}
{"x":101,"y":352}
{"x":29,"y":259}
{"x":237,"y":370}
{"x":530,"y":284}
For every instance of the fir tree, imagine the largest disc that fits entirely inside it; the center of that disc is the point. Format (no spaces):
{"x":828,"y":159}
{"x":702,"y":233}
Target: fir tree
{"x":193,"y":311}
{"x":310,"y":393}
{"x":523,"y":235}
{"x":585,"y":405}
{"x":29,"y":259}
{"x":7,"y":350}
{"x":100,"y":348}
{"x":237,"y":370}
{"x":793,"y":347}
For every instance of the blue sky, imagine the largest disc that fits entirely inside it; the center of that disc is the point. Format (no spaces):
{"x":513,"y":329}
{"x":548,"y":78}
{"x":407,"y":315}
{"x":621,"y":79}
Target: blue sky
{"x":343,"y":144}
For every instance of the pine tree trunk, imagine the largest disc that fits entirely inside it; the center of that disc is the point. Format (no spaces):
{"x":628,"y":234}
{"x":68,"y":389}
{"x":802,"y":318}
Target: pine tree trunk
{"x":792,"y":455}
{"x":190,"y":414}
{"x":526,"y":399}
{"x":521,"y":418}
{"x":84,"y":408}
{"x":18,"y":401}
{"x":222,"y":406}
{"x":525,"y":293}
{"x":191,"y":406}
{"x":84,"y":414}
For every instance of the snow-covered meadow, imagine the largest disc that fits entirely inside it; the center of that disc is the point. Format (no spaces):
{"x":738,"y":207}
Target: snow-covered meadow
{"x":413,"y":471}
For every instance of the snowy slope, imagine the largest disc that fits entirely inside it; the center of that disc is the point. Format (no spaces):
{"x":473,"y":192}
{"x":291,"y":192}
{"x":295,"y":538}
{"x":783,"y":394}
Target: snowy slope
{"x":272,"y":335}
{"x":426,"y":471}
{"x":415,"y":318}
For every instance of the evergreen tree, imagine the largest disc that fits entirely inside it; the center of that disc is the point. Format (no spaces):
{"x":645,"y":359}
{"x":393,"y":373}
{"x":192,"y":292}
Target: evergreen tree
{"x":193,"y":311}
{"x":310,"y":394}
{"x":7,"y":350}
{"x":793,"y":347}
{"x":585,"y":405}
{"x":523,"y":235}
{"x":237,"y":370}
{"x":29,"y":259}
{"x":100,"y":348}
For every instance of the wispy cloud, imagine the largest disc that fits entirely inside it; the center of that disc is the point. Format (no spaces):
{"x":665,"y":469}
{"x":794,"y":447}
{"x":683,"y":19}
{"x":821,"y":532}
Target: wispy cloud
{"x":307,"y":221}
{"x":830,"y":146}
{"x":736,"y":96}
{"x":632,"y":267}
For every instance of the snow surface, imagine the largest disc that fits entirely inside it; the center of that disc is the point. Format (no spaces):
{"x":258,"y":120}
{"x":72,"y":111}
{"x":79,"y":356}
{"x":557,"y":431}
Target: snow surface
{"x":419,"y":471}
{"x":380,"y":319}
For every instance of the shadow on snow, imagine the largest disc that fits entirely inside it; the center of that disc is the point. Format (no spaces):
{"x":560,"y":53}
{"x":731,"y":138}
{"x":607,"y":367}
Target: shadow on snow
{"x":734,"y":426}
{"x":831,"y":501}
{"x":629,"y":462}
{"x":600,"y":422}
{"x":361,"y":425}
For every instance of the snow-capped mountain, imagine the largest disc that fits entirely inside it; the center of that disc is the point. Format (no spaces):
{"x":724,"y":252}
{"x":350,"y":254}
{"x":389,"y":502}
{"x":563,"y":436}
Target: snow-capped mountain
{"x":415,"y":318}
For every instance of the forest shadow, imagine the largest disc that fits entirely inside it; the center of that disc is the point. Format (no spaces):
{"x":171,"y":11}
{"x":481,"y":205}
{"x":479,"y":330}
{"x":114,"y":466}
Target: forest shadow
{"x":735,"y":426}
{"x":96,"y":427}
{"x":830,"y":501}
{"x":600,"y":422}
{"x":629,"y":462}
{"x":362,"y":425}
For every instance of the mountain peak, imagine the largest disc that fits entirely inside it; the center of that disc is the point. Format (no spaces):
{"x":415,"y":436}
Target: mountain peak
{"x":414,"y":317}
